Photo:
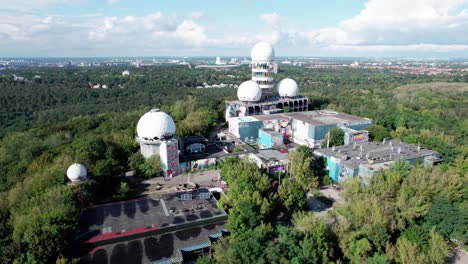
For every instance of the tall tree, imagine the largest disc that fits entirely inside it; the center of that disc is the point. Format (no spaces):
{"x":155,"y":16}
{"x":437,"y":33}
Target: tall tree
{"x":334,"y":138}
{"x":292,"y":195}
{"x":301,"y":169}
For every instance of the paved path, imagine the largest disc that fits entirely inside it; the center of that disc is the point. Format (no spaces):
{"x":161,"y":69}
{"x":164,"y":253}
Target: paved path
{"x":460,"y":256}
{"x":333,"y":194}
{"x":203,"y":178}
{"x":317,"y":207}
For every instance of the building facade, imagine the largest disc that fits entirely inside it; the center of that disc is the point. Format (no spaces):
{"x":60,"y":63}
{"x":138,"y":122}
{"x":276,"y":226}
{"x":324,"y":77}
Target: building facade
{"x":365,"y":159}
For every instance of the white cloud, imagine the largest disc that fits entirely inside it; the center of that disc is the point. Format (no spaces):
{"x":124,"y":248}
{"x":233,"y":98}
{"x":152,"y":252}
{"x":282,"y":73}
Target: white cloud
{"x":197,"y":15}
{"x":399,"y":23}
{"x":384,"y":26}
{"x":278,"y":32}
{"x":273,"y":19}
{"x":431,"y":48}
{"x":28,"y":28}
{"x":190,"y":32}
{"x":28,"y":5}
{"x":153,"y":27}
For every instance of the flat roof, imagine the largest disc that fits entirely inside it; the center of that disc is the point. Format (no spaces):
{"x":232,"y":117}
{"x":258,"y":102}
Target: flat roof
{"x":327,"y":117}
{"x":272,"y":117}
{"x":269,"y":101}
{"x":126,"y":218}
{"x":244,"y":119}
{"x":271,"y":132}
{"x":212,"y":151}
{"x":271,"y":154}
{"x":374,"y":153}
{"x":193,"y":139}
{"x":163,"y":248}
{"x":350,"y":130}
{"x":316,"y":117}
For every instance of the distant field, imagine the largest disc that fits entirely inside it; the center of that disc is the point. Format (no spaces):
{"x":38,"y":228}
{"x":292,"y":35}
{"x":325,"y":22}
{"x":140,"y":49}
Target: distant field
{"x":445,"y":87}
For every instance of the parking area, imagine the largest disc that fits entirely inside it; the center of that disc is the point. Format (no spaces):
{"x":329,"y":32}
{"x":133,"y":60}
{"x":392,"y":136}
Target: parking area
{"x":207,"y":178}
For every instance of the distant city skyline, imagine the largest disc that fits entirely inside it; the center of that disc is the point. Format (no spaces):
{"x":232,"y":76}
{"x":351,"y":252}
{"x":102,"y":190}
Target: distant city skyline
{"x":335,"y":28}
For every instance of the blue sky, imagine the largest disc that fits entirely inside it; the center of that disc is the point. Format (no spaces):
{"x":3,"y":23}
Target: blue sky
{"x":374,"y":28}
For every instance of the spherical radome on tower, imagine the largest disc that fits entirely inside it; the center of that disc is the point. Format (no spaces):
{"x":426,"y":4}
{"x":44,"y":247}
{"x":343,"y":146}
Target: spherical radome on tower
{"x":155,"y":125}
{"x":288,"y":88}
{"x":249,"y":91}
{"x":263,"y":51}
{"x":77,"y":172}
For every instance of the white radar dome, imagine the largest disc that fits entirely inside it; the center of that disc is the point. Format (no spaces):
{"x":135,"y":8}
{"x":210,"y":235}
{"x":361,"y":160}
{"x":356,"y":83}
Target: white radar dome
{"x":249,"y":91}
{"x":288,"y":88}
{"x":155,"y":125}
{"x":77,"y":172}
{"x":263,"y":51}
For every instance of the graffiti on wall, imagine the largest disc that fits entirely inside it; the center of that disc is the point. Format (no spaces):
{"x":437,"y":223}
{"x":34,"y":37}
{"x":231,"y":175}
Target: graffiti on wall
{"x":172,"y":156}
{"x":235,"y":110}
{"x":203,"y":163}
{"x":358,"y":138}
{"x":282,"y":126}
{"x":272,"y":170}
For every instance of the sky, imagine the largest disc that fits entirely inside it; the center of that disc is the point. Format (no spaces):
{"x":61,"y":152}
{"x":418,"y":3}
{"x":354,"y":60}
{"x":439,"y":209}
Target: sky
{"x":341,"y":28}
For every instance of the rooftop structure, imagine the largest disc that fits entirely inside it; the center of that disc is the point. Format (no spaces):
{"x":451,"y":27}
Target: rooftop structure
{"x":155,"y":125}
{"x":263,"y":102}
{"x":245,"y":128}
{"x":263,"y":52}
{"x":310,"y":128}
{"x":263,"y":66}
{"x":249,"y":91}
{"x":269,"y":138}
{"x":352,"y":135}
{"x":288,"y":88}
{"x":364,"y":159}
{"x":174,"y":247}
{"x":77,"y":172}
{"x":272,"y":160}
{"x":272,"y":104}
{"x":328,"y":117}
{"x":162,"y":226}
{"x":155,"y":133}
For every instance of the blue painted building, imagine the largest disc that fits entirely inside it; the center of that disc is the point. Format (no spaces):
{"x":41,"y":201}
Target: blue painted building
{"x":310,"y":128}
{"x":305,"y":128}
{"x":245,"y":128}
{"x":269,"y":139}
{"x":365,"y":159}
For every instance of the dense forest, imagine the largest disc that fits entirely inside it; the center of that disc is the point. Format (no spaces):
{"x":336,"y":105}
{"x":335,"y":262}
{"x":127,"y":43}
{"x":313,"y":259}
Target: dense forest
{"x":405,"y":215}
{"x":397,"y":218}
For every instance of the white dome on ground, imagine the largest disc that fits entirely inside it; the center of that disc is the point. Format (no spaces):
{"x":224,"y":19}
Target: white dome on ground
{"x":249,"y":91}
{"x":263,"y":51}
{"x":77,"y":172}
{"x":155,"y":125}
{"x":288,"y":88}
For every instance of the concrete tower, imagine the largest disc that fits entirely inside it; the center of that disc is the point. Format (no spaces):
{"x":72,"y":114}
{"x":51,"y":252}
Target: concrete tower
{"x":263,"y":66}
{"x":155,"y":133}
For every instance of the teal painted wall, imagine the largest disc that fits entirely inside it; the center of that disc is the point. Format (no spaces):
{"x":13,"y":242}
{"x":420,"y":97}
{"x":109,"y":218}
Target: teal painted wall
{"x":360,"y":126}
{"x":334,"y":169}
{"x":319,"y":132}
{"x":249,"y":129}
{"x":265,"y":139}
